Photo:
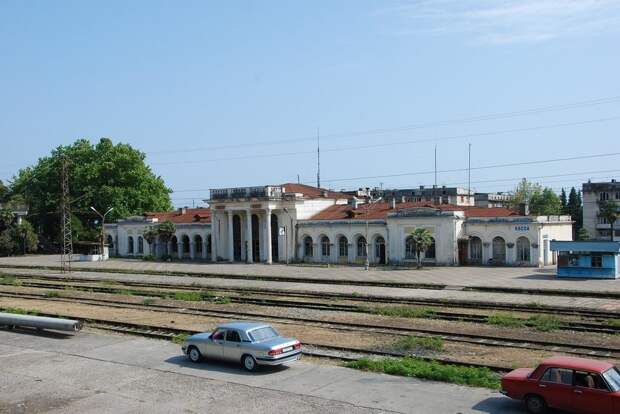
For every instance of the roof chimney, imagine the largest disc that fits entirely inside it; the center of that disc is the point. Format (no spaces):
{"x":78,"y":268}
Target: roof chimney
{"x":403,"y":199}
{"x":183,"y":210}
{"x":354,"y":202}
{"x":393,"y":203}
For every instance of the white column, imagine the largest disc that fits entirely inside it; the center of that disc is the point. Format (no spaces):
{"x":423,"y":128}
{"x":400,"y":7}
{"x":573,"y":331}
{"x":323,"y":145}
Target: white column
{"x":215,"y":234}
{"x":169,"y":247}
{"x":268,"y":236}
{"x":204,"y":245}
{"x":180,"y":248}
{"x":231,"y":246}
{"x":192,"y":249}
{"x":248,"y":237}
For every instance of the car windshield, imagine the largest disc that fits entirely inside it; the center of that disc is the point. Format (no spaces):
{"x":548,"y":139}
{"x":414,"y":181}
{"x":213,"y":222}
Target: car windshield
{"x":612,"y":376}
{"x":262,"y":334}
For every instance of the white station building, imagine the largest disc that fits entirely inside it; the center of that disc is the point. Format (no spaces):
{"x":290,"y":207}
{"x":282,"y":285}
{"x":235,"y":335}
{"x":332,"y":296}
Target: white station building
{"x":300,"y":223}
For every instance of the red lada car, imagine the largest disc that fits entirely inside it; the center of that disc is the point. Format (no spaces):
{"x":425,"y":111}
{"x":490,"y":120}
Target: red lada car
{"x":575,"y":385}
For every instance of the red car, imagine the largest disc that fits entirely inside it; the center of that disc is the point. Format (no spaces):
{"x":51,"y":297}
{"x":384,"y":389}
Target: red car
{"x":575,"y":385}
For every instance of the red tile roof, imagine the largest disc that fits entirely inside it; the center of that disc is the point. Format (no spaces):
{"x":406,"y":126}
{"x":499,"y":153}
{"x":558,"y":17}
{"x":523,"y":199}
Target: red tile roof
{"x":313,"y":192}
{"x":381,"y":210}
{"x":187,"y":216}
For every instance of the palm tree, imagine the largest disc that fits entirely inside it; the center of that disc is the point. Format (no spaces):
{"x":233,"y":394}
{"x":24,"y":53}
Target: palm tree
{"x":609,"y":211}
{"x":150,"y":236}
{"x":422,"y":240}
{"x":165,"y":231}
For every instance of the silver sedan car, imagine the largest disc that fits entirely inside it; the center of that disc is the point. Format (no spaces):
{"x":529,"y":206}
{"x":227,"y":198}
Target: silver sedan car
{"x":250,"y":343}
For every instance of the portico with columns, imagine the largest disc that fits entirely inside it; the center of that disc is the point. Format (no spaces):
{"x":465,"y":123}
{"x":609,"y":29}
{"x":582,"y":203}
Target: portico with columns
{"x":258,"y":224}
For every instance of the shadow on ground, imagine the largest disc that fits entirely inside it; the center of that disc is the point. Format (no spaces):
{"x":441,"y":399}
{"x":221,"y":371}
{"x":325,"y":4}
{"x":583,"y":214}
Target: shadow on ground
{"x":225,"y":367}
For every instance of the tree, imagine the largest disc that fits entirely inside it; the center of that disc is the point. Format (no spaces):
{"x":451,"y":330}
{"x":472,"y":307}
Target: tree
{"x":564,"y":201}
{"x":523,"y":193}
{"x":609,"y":211}
{"x":150,"y":236}
{"x":582,"y":234}
{"x":422,"y":240}
{"x":541,"y":201}
{"x":17,"y":238}
{"x":165,"y":232}
{"x":545,"y":203}
{"x":102,"y":175}
{"x":3,"y":191}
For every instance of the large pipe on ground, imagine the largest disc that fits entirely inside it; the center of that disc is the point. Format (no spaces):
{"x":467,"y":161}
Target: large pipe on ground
{"x":39,"y":322}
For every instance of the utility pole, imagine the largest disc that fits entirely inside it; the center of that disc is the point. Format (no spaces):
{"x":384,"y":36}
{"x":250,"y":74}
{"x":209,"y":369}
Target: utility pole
{"x":102,"y":226}
{"x":434,"y":201}
{"x":65,"y":218}
{"x":371,"y":202}
{"x":318,"y":158}
{"x":469,"y":173}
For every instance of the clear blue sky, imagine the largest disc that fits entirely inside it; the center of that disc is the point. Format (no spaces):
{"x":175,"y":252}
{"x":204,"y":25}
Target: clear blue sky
{"x":193,"y":75}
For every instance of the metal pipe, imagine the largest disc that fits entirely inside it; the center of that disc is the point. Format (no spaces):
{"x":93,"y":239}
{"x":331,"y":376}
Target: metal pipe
{"x":40,"y":322}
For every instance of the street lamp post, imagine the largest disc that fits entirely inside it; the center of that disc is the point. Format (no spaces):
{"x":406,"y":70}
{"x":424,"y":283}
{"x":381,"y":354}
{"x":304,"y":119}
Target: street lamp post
{"x":102,"y":223}
{"x":370,"y":204}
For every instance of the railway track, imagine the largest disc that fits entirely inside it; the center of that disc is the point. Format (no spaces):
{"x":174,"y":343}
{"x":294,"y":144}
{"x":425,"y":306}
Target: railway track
{"x":476,"y":339}
{"x":600,"y":326}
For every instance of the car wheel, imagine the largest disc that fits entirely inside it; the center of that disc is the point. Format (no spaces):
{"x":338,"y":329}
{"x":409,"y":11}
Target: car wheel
{"x":248,"y":362}
{"x":194,"y":354}
{"x":535,"y":404}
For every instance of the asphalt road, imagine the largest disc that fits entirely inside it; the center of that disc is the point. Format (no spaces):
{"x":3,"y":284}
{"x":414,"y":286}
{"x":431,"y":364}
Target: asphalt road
{"x":96,"y":373}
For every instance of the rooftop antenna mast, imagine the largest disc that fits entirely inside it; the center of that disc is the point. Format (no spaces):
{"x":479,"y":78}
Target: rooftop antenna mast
{"x":65,"y":218}
{"x":318,"y":158}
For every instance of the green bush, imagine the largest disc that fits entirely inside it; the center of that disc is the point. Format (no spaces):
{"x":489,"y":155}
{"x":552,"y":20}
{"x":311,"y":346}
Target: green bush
{"x":432,"y":370}
{"x":51,"y":294}
{"x":149,"y":258}
{"x":10,"y":280}
{"x":148,"y":301}
{"x":418,"y":344}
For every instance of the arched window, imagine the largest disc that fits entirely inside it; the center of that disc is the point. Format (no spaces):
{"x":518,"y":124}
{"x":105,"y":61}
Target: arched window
{"x":475,"y":250}
{"x":430,"y":251}
{"x":499,"y":250}
{"x":110,"y":242}
{"x":185,"y":241}
{"x":380,"y":250}
{"x":523,"y":249}
{"x":140,"y":245}
{"x":325,"y":248}
{"x":198,"y":245}
{"x":308,"y":246}
{"x":409,"y":248}
{"x":343,"y":247}
{"x":361,"y":246}
{"x":130,"y":245}
{"x":209,"y":244}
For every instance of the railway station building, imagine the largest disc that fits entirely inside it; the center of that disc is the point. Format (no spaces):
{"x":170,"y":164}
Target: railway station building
{"x":300,"y":223}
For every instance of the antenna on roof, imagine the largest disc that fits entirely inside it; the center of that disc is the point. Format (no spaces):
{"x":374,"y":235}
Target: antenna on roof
{"x":318,"y":159}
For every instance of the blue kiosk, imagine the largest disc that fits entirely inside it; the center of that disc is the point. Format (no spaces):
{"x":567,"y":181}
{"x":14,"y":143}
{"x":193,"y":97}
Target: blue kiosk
{"x":596,"y":259}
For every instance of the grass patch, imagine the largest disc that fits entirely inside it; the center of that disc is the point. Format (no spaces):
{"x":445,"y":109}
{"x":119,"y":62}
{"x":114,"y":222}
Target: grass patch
{"x":403,"y":311}
{"x":506,"y":320}
{"x":51,"y":294}
{"x":180,"y":338}
{"x":222,"y":300}
{"x":192,"y":296}
{"x":20,"y":311}
{"x":10,"y":280}
{"x":148,"y":301}
{"x":614,"y":323}
{"x":432,"y":370}
{"x":534,"y":305}
{"x":544,"y":323}
{"x":419,"y":344}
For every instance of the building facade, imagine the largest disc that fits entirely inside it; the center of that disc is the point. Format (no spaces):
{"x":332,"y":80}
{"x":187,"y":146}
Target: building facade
{"x":300,"y":223}
{"x":594,"y":194}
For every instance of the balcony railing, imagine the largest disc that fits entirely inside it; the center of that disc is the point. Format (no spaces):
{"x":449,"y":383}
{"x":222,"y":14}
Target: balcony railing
{"x":269,"y":192}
